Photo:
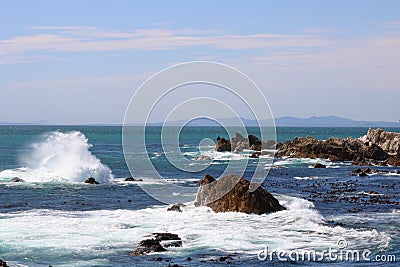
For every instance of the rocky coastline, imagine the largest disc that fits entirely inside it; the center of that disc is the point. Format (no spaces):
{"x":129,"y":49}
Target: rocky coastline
{"x":376,"y":147}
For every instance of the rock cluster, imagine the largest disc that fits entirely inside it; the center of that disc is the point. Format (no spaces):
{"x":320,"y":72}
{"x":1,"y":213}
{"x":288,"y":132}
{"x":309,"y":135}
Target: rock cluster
{"x":158,"y":243}
{"x":231,"y":193}
{"x":240,"y":143}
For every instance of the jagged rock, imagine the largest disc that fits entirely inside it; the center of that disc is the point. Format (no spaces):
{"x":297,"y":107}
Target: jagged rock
{"x":207,"y":180}
{"x":335,"y":149}
{"x":16,"y":180}
{"x":254,"y":143}
{"x":357,"y":170}
{"x":176,"y":207}
{"x":91,"y":180}
{"x":223,"y":145}
{"x":388,"y":141}
{"x":231,"y":193}
{"x":318,"y":165}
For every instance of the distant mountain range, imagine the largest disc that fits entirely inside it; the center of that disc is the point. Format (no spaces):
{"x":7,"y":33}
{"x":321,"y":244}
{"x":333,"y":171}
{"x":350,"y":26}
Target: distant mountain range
{"x":286,"y":121}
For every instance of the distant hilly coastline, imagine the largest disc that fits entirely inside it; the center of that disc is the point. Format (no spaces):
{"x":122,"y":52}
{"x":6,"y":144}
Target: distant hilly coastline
{"x":285,"y":121}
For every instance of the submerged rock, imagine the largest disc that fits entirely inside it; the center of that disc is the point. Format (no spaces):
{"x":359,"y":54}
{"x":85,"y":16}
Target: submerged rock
{"x":223,"y":145}
{"x":238,"y":198}
{"x":91,"y":180}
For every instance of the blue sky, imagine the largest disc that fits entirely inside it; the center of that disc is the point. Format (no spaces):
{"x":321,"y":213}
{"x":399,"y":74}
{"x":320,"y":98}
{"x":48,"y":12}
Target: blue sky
{"x":80,"y":62}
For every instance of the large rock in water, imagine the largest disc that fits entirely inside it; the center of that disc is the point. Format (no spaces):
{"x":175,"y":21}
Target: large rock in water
{"x":223,"y":145}
{"x":335,"y":149}
{"x":388,"y":141}
{"x":231,"y":193}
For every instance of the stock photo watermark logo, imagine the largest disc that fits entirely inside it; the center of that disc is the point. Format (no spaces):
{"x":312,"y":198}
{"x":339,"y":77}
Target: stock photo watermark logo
{"x":174,"y":83}
{"x":338,"y":253}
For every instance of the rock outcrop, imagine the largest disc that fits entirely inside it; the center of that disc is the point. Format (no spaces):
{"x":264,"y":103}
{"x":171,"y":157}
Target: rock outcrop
{"x":388,"y":141}
{"x":223,"y":145}
{"x":231,"y":193}
{"x":335,"y":149}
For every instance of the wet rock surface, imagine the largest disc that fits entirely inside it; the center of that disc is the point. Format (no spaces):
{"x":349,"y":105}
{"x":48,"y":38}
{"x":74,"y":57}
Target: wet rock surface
{"x":238,"y":198}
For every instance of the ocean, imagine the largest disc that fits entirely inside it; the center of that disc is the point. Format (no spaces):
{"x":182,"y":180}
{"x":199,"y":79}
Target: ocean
{"x":53,"y":218}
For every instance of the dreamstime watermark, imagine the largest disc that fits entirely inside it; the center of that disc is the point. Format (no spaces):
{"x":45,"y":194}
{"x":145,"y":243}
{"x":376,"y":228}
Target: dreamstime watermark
{"x":340,"y":252}
{"x":157,"y":97}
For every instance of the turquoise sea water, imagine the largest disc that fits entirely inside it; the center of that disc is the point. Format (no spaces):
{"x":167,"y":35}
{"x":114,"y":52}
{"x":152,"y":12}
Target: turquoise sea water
{"x":55,"y":219}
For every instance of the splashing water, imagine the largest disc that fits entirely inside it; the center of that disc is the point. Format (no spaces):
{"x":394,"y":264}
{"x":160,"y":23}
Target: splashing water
{"x":63,"y":157}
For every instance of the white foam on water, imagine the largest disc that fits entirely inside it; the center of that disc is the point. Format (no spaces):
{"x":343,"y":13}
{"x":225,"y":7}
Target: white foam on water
{"x":66,"y":233}
{"x":60,"y":157}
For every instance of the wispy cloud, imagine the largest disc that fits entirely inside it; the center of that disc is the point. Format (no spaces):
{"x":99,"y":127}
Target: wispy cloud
{"x":84,"y":39}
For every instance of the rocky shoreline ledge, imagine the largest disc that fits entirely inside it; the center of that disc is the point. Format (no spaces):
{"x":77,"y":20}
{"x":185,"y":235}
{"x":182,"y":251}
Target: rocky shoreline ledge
{"x":376,"y":147}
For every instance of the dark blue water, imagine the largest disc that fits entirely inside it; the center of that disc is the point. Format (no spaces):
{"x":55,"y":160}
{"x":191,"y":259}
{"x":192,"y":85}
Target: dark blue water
{"x":99,"y":225}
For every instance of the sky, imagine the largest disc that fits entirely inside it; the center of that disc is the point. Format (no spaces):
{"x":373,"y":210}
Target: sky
{"x":79,"y":62}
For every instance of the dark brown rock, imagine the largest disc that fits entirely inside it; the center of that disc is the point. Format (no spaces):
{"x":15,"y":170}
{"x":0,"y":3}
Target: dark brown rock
{"x":223,"y":145}
{"x":231,"y":193}
{"x":91,"y":180}
{"x":129,"y":179}
{"x":254,"y":143}
{"x":357,"y":170}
